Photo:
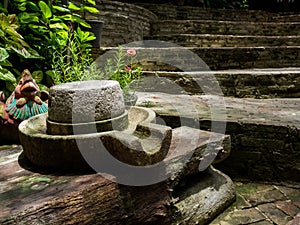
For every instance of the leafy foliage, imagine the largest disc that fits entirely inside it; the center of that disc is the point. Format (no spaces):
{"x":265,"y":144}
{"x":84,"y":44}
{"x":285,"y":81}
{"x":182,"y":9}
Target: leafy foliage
{"x":122,"y":68}
{"x":53,"y":28}
{"x":12,"y":44}
{"x":68,"y":69}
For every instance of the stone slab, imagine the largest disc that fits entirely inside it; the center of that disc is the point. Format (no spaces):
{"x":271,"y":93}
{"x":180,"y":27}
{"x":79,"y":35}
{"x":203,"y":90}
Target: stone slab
{"x":225,"y":27}
{"x":280,"y":112}
{"x":172,"y":11}
{"x":219,"y":40}
{"x":246,"y":83}
{"x":266,"y":211}
{"x":265,"y":133}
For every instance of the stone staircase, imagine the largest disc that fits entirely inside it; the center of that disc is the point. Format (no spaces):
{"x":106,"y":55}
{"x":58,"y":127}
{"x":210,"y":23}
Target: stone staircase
{"x":253,"y":55}
{"x":238,"y":42}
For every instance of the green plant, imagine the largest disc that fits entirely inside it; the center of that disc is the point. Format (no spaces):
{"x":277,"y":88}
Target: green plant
{"x":122,"y":68}
{"x":12,"y":47}
{"x":49,"y":25}
{"x":244,"y":4}
{"x":72,"y":63}
{"x":84,"y":6}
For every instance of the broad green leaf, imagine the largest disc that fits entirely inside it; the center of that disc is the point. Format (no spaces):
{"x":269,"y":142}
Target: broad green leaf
{"x":26,"y":53}
{"x":91,"y":2}
{"x":6,"y":75}
{"x":65,"y":17}
{"x":80,"y":21}
{"x":38,"y":76}
{"x":6,"y":63}
{"x":45,"y":9}
{"x":13,"y":33}
{"x":2,"y":34}
{"x":91,"y":9}
{"x":73,"y":7}
{"x":28,"y":17}
{"x":3,"y":54}
{"x":43,"y":87}
{"x":33,"y":6}
{"x":61,"y":9}
{"x":58,"y":26}
{"x":38,"y":29}
{"x":22,"y":6}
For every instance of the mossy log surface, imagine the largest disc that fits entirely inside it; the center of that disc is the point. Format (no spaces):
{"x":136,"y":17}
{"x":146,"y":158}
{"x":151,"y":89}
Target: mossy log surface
{"x":31,"y":196}
{"x":36,"y":198}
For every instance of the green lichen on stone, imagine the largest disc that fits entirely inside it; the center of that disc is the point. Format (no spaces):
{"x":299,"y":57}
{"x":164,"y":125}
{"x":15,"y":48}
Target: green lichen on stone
{"x":147,"y":104}
{"x":249,"y":188}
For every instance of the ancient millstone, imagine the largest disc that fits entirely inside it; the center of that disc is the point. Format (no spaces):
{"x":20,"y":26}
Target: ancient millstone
{"x":62,"y":152}
{"x":141,"y":157}
{"x":85,"y":101}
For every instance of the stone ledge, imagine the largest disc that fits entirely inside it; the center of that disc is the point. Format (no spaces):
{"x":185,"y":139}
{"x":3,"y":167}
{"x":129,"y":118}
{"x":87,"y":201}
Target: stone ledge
{"x":219,"y":40}
{"x":265,"y":133}
{"x":225,"y":27}
{"x":176,"y":58}
{"x":171,"y":11}
{"x":248,"y":83}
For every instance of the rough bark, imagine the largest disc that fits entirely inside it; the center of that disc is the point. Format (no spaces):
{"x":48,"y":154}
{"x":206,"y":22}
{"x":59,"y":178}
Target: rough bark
{"x":35,"y":198}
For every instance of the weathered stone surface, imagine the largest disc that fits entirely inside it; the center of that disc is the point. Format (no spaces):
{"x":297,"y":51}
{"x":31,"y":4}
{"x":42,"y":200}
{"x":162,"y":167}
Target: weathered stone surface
{"x":221,"y":40}
{"x":219,"y":58}
{"x":117,"y":123}
{"x":265,"y":211}
{"x":264,"y":132}
{"x":64,"y":152}
{"x":248,"y":83}
{"x":203,"y":197}
{"x":123,"y":22}
{"x":171,"y":11}
{"x":225,"y":27}
{"x":274,"y":213}
{"x":85,"y":101}
{"x":288,"y":207}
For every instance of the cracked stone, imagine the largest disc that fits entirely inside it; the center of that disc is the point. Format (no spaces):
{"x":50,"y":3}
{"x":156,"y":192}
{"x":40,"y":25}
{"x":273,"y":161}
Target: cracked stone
{"x":287,"y":207}
{"x":275,"y":214}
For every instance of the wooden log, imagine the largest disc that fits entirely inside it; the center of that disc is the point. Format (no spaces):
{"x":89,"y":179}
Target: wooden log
{"x":31,"y":196}
{"x":35,"y":198}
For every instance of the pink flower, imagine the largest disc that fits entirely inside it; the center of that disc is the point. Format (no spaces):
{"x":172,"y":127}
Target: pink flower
{"x":127,"y":68}
{"x":131,"y":51}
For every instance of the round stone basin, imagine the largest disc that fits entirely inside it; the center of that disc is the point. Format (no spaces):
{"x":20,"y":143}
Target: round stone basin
{"x":61,"y":152}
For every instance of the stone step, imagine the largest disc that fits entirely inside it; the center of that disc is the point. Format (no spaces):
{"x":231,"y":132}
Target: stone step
{"x":164,"y":58}
{"x":171,"y":11}
{"x":254,"y":83}
{"x":163,"y":27}
{"x":264,"y":132}
{"x":217,"y":40}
